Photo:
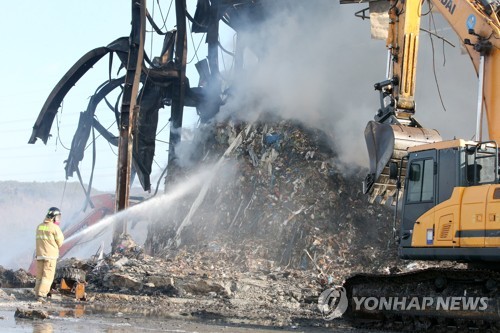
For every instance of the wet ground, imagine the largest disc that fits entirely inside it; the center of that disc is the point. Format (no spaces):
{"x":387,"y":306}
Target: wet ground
{"x":118,"y":323}
{"x":66,"y":315}
{"x":102,"y":322}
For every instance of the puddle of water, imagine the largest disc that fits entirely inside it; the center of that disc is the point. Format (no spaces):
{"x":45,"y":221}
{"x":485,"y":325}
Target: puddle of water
{"x":120,"y":323}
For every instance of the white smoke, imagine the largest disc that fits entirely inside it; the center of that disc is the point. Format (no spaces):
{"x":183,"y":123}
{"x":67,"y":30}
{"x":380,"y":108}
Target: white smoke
{"x":315,"y":62}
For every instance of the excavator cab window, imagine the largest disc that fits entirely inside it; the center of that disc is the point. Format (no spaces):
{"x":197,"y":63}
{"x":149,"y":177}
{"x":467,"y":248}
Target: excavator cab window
{"x":414,"y":175}
{"x":482,"y":164}
{"x":421,"y":181}
{"x":474,"y":173}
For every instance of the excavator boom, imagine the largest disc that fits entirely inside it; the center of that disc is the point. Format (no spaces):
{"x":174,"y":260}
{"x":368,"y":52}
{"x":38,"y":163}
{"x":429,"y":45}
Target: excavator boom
{"x":477,"y":26}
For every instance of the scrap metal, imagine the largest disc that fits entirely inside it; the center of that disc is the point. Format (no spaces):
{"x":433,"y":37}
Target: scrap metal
{"x":163,"y":83}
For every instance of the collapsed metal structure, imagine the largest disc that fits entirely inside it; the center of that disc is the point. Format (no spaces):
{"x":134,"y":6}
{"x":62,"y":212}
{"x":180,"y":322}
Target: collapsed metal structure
{"x":164,"y":83}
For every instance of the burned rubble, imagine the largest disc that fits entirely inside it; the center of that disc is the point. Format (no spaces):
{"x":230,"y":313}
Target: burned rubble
{"x":287,"y":202}
{"x":18,"y":279}
{"x":280,"y":222}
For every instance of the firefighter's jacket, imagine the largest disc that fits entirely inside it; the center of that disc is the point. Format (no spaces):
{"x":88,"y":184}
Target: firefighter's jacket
{"x":49,"y":239}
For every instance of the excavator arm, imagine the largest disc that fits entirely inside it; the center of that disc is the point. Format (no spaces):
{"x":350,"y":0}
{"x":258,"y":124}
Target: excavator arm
{"x":403,"y":46}
{"x":395,"y":128}
{"x":477,"y":24}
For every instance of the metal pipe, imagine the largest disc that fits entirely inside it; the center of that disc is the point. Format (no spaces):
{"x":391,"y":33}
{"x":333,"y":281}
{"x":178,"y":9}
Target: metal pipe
{"x":178,"y":89}
{"x":129,"y":108}
{"x":479,"y":119}
{"x":388,"y":69}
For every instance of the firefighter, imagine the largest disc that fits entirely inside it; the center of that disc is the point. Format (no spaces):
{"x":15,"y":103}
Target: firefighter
{"x":49,"y":239}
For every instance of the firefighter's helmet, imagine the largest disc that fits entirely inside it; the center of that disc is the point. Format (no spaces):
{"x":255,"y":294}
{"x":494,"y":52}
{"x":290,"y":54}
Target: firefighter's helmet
{"x":53,"y":212}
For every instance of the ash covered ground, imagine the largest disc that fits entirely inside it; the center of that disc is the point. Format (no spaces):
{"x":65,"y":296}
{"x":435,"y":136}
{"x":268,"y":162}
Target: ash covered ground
{"x":275,"y":220}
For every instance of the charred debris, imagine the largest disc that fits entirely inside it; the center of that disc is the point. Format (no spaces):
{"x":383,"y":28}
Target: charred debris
{"x":280,"y":201}
{"x":281,"y":196}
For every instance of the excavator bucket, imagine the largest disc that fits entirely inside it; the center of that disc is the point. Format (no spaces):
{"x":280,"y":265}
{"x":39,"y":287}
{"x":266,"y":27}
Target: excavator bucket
{"x":389,"y":143}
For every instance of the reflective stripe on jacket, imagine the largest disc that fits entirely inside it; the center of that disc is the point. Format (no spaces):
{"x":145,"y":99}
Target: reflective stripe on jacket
{"x":49,"y":239}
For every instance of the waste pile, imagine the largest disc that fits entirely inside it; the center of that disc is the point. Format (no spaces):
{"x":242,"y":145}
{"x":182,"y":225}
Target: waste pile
{"x":201,"y":284}
{"x":280,"y":221}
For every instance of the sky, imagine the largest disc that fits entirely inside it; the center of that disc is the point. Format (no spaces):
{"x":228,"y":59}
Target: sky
{"x":322,"y":73}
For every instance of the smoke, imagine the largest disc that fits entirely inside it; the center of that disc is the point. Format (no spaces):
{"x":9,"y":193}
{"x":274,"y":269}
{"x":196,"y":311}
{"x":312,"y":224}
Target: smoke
{"x":24,"y":205}
{"x":309,"y":63}
{"x":315,"y":62}
{"x":158,"y":209}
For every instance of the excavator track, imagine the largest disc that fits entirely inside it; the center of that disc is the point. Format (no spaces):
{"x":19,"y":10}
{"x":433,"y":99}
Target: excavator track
{"x":431,"y":300}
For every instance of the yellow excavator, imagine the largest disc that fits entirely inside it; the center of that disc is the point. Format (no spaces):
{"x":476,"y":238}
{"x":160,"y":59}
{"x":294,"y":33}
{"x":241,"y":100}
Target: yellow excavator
{"x":448,"y":192}
{"x":451,"y":197}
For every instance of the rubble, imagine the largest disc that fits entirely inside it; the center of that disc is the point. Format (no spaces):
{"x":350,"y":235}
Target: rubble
{"x":18,"y":279}
{"x":31,"y":314}
{"x":284,"y":200}
{"x":290,"y":220}
{"x":280,"y":222}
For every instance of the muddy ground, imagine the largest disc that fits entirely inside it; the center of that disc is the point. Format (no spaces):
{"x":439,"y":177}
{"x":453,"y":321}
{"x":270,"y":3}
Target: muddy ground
{"x":64,"y":315}
{"x":110,"y":312}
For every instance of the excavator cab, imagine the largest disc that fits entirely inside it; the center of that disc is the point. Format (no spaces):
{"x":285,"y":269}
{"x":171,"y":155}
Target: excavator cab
{"x":451,"y":203}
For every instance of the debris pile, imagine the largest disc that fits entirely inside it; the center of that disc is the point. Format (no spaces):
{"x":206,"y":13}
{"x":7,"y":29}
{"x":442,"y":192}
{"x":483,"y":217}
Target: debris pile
{"x":15,"y":279}
{"x":284,"y":201}
{"x":280,"y":221}
{"x":202,"y":284}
